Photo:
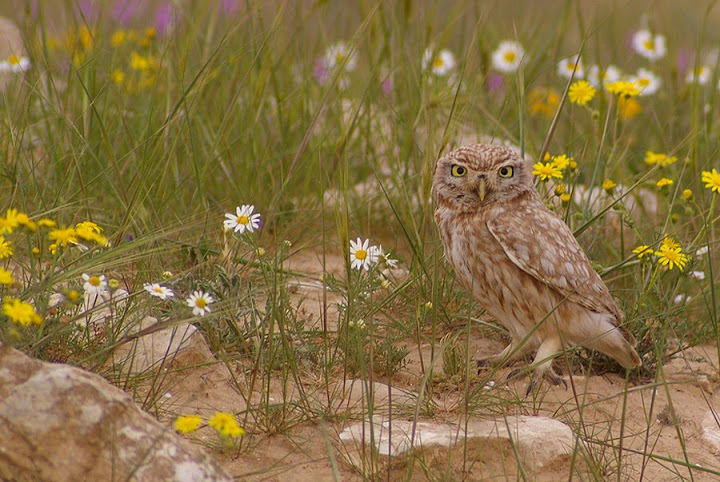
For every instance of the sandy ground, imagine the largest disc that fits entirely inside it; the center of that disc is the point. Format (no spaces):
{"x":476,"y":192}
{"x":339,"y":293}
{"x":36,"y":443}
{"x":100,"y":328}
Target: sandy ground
{"x":668,"y":421}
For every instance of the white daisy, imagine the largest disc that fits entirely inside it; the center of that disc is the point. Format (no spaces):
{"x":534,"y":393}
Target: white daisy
{"x":15,"y":64}
{"x":608,"y":76}
{"x":698,"y":275}
{"x":650,"y":46}
{"x":200,"y":302}
{"x":95,"y":285}
{"x":701,"y":75}
{"x":362,"y":255}
{"x":383,"y":257}
{"x":243,"y":219}
{"x":337,"y":54}
{"x":566,"y":67}
{"x":439,"y":64}
{"x":646,"y":81}
{"x":508,"y":56}
{"x":158,"y":290}
{"x":701,"y":251}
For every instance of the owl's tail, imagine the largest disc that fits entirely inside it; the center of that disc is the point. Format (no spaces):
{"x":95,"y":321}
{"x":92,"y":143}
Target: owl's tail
{"x":615,"y":342}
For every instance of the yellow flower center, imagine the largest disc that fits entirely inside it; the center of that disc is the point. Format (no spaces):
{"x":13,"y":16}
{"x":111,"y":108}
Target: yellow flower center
{"x":672,"y":255}
{"x":649,"y":44}
{"x":339,"y":57}
{"x":643,"y":82}
{"x":510,"y":56}
{"x":73,"y":295}
{"x":242,"y":220}
{"x":201,"y":303}
{"x":571,"y":66}
{"x":360,"y":254}
{"x":546,"y":170}
{"x":438,"y":62}
{"x":158,"y":289}
{"x":14,"y":60}
{"x":94,"y":280}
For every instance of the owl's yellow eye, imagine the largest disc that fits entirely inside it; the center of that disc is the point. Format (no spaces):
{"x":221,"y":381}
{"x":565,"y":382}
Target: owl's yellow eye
{"x":458,"y":171}
{"x":505,"y":171}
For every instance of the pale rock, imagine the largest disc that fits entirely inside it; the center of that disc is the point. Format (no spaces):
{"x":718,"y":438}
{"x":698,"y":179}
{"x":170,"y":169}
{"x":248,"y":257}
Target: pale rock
{"x":540,"y":441}
{"x":711,"y":431}
{"x":61,"y":423}
{"x":175,"y":346}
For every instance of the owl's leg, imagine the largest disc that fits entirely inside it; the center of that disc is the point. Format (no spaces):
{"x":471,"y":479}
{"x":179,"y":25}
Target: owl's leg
{"x":543,"y":365}
{"x":511,"y":352}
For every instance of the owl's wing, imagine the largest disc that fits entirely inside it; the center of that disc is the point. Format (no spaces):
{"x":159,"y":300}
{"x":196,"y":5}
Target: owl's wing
{"x":542,"y":245}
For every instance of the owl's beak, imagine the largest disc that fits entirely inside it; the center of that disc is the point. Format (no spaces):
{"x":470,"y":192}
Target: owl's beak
{"x":481,"y":188}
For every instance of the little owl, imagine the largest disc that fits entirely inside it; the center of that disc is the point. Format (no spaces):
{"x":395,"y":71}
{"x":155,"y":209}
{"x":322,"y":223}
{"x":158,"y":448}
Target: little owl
{"x":521,"y":262}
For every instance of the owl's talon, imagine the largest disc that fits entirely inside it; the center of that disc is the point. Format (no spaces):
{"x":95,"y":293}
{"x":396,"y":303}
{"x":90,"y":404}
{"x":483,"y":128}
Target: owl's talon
{"x":550,"y":376}
{"x":556,"y":380}
{"x":513,"y":374}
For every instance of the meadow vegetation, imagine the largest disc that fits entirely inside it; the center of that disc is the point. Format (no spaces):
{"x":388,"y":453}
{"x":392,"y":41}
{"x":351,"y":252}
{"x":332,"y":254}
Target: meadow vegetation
{"x":175,"y":159}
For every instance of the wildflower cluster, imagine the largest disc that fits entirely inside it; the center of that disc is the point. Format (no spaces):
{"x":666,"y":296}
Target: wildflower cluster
{"x":43,"y":236}
{"x":669,"y":254}
{"x":553,"y":167}
{"x":224,"y":424}
{"x":364,"y":256}
{"x":142,"y":66}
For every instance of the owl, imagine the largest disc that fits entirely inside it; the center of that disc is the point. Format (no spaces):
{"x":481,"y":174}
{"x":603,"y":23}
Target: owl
{"x":522,"y":263}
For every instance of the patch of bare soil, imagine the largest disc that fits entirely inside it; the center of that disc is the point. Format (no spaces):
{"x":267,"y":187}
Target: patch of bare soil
{"x":655,"y":430}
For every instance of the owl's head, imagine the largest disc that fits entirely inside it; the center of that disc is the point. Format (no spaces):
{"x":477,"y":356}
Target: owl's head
{"x":478,"y":175}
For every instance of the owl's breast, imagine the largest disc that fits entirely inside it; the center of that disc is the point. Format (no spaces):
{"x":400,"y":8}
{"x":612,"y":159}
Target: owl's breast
{"x":485,"y":270}
{"x":471,"y":250}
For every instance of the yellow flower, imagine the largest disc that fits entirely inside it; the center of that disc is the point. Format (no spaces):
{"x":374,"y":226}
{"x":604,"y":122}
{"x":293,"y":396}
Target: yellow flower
{"x":687,"y":194}
{"x":608,"y":185}
{"x":623,"y":88}
{"x":118,"y":76}
{"x":581,"y":92}
{"x":671,"y":257}
{"x":5,"y":248}
{"x":8,"y":222}
{"x":573,"y":165}
{"x":662,"y":160}
{"x":90,"y":231}
{"x":559,"y":190}
{"x":226,"y":425}
{"x":46,"y":223}
{"x":143,"y":64}
{"x":118,"y":38}
{"x":63,"y":236}
{"x":546,"y":171}
{"x":562,"y":161}
{"x":710,"y":178}
{"x":187,"y":423}
{"x":669,"y":243}
{"x":628,"y":108}
{"x":543,"y":101}
{"x":642,"y":250}
{"x":664,"y":182}
{"x":5,"y":277}
{"x":20,"y":312}
{"x":565,"y":198}
{"x":52,"y":248}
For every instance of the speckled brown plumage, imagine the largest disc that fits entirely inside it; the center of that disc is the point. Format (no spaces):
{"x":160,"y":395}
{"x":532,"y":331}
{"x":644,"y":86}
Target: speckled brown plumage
{"x":521,"y":262}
